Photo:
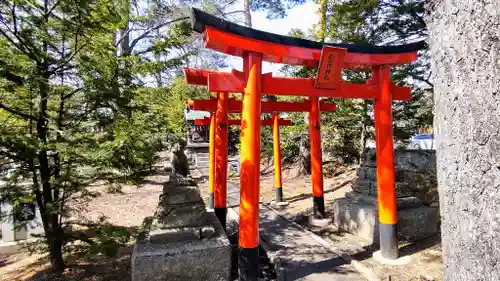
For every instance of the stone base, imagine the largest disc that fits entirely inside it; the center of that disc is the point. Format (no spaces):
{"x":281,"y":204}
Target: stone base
{"x":207,"y":260}
{"x":279,"y":205}
{"x":377,"y":256}
{"x":182,"y":241}
{"x":361,"y":218}
{"x":316,"y":222}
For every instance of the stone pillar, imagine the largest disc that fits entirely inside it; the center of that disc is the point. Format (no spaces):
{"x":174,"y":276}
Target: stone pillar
{"x":464,"y":46}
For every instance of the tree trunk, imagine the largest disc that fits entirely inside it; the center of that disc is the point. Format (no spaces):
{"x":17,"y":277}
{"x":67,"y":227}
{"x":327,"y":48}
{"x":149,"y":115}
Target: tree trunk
{"x":248,"y":16}
{"x":322,"y":10}
{"x":125,"y":52}
{"x":55,"y":246}
{"x":305,"y":150}
{"x":464,"y":44}
{"x":49,"y":194}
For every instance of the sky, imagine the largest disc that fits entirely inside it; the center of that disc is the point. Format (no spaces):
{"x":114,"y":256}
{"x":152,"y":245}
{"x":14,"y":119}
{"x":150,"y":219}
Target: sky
{"x":300,"y":17}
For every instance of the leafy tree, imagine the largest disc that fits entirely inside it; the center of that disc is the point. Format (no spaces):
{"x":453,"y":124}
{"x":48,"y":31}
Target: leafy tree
{"x":62,"y":126}
{"x":372,"y":22}
{"x":391,"y":22}
{"x":77,"y":102}
{"x":176,"y":104}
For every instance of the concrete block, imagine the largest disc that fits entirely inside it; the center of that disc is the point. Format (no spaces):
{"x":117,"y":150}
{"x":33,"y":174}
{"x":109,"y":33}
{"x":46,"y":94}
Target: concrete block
{"x":205,"y":260}
{"x":402,"y":190}
{"x":363,"y":186}
{"x":407,"y":160}
{"x":183,"y":215}
{"x":361,"y":218}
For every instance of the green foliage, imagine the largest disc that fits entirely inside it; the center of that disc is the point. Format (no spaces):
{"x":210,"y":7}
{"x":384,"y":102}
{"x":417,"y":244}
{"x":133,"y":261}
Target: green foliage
{"x":176,"y":104}
{"x":77,"y":104}
{"x":275,"y":8}
{"x":372,"y":22}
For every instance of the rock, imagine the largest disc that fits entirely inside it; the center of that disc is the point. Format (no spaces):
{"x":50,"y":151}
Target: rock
{"x":412,"y":160}
{"x":402,"y":203}
{"x":415,"y":175}
{"x":207,"y":260}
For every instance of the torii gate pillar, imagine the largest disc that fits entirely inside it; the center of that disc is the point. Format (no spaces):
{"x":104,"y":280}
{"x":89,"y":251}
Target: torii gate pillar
{"x":221,"y":133}
{"x":211,"y":167}
{"x":278,"y":181}
{"x":316,"y":159}
{"x":386,"y":187}
{"x":250,"y":171}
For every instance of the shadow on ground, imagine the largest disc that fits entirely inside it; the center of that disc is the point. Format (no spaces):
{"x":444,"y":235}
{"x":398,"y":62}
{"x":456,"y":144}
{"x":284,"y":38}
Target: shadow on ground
{"x":98,"y":269}
{"x":309,"y":195}
{"x":302,"y":257}
{"x":104,"y":256}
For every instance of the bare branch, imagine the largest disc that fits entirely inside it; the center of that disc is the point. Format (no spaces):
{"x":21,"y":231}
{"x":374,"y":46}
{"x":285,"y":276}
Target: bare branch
{"x":14,"y":17}
{"x":233,"y":12}
{"x":52,"y":9}
{"x":419,"y":78}
{"x":146,"y":33}
{"x":17,"y":112}
{"x":117,"y":43}
{"x":65,"y":62}
{"x":71,"y":93}
{"x":229,"y":13}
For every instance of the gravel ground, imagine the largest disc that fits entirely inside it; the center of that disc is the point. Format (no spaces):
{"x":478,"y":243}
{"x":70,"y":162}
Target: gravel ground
{"x":129,"y":207}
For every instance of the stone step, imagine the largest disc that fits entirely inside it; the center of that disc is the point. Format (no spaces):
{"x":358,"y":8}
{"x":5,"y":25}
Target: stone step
{"x":300,"y":256}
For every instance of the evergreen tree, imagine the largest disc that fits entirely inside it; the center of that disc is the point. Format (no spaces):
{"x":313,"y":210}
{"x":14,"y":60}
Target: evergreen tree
{"x":54,"y":58}
{"x":77,"y":103}
{"x":372,"y":22}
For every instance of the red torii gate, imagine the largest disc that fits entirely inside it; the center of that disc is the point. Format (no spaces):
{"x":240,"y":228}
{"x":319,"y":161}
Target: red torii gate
{"x":220,"y":187}
{"x":255,"y":46}
{"x":276,"y":123}
{"x":219,"y":156}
